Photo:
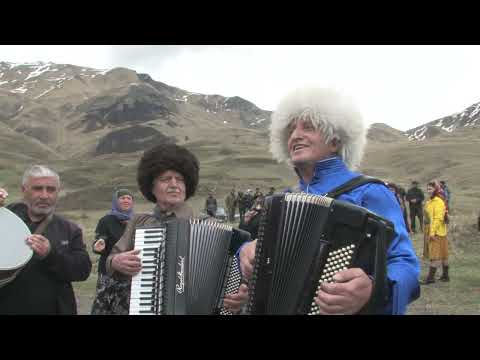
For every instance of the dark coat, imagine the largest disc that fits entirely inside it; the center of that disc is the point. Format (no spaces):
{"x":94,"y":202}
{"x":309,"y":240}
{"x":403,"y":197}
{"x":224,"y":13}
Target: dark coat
{"x":110,"y":229}
{"x":44,"y":285}
{"x":415,"y":193}
{"x":211,"y":204}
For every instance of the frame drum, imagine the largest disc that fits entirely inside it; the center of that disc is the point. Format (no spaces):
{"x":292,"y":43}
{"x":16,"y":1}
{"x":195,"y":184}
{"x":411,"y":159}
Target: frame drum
{"x":15,"y":253}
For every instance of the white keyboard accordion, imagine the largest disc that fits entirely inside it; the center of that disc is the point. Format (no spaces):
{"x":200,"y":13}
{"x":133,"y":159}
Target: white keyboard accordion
{"x":187,"y":268}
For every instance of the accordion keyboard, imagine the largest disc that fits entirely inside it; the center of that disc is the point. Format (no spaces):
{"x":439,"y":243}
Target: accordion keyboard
{"x":337,"y":261}
{"x":146,"y":288}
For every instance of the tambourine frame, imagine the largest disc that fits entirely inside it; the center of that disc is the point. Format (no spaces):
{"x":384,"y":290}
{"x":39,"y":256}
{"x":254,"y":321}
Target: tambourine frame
{"x":15,"y":252}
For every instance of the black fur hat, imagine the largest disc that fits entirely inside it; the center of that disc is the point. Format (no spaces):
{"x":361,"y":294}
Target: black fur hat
{"x":167,"y":157}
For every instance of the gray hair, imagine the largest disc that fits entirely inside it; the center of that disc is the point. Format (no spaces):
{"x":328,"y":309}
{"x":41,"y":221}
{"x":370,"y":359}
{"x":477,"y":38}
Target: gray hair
{"x":331,"y":113}
{"x":36,"y":171}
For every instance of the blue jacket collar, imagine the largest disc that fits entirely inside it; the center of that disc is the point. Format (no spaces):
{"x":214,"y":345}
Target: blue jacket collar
{"x":324,"y":168}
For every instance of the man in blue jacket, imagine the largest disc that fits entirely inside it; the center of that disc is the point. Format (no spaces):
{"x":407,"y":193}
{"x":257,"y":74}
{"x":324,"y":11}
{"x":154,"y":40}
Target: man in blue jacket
{"x":322,"y":136}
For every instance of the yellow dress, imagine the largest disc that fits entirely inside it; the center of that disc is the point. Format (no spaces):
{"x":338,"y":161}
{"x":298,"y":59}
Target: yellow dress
{"x":436,"y":237}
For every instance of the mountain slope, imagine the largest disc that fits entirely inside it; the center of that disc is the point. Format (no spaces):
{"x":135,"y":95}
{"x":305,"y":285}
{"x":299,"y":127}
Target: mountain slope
{"x":469,"y":118}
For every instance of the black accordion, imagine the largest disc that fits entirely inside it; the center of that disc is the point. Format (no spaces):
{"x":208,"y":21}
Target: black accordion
{"x":305,"y":240}
{"x":187,"y":268}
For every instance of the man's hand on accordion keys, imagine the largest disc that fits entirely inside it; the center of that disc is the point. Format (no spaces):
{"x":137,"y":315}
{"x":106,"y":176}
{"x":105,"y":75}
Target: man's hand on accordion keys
{"x":347,"y":295}
{"x":247,"y":258}
{"x":127,"y":263}
{"x":234,"y":302}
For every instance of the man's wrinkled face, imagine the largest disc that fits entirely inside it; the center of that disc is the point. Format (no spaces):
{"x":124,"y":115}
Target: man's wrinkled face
{"x":307,"y":144}
{"x":41,"y":193}
{"x":169,"y":189}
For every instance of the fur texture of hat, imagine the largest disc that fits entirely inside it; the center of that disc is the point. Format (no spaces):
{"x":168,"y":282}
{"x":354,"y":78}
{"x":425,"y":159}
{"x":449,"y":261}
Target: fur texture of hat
{"x":330,"y":112}
{"x":161,"y":158}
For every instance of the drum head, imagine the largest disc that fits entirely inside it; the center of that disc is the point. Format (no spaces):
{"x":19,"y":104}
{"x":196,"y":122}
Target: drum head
{"x":14,"y":251}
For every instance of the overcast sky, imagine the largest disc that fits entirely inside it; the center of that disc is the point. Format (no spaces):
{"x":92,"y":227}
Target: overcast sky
{"x":402,"y":86}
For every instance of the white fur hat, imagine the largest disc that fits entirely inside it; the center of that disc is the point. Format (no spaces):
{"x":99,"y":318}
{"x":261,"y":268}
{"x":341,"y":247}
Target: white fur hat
{"x":330,"y":112}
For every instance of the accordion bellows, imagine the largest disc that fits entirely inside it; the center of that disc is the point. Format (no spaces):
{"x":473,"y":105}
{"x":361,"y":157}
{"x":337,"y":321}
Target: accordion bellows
{"x":304,"y":240}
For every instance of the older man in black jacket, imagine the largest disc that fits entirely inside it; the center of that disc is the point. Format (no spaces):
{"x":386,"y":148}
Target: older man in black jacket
{"x":44,"y":286}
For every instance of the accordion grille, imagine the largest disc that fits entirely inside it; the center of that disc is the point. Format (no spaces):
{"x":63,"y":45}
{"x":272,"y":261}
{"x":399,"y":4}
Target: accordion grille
{"x":208,"y":254}
{"x":296,"y":249}
{"x":289,"y":239}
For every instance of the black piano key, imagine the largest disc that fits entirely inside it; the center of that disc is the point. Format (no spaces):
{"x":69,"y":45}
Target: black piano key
{"x":152,"y":309}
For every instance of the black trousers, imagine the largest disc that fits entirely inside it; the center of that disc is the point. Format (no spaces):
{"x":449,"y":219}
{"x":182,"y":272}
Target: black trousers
{"x":241,"y":212}
{"x":416,"y":211}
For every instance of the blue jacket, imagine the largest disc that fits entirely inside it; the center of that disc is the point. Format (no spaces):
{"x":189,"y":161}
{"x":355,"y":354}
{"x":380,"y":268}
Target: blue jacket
{"x":403,"y":267}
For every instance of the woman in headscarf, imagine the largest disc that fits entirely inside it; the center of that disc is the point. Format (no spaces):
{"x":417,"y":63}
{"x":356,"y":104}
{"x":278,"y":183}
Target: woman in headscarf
{"x":435,"y":232}
{"x":109,"y":230}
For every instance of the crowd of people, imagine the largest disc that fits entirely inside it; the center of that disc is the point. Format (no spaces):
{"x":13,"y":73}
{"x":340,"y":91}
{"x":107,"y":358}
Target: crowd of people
{"x":317,"y":132}
{"x":243,"y":201}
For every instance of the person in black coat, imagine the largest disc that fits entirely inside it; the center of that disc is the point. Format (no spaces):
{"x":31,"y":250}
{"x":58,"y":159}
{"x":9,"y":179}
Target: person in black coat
{"x":415,"y":198}
{"x":109,"y":230}
{"x":44,"y":284}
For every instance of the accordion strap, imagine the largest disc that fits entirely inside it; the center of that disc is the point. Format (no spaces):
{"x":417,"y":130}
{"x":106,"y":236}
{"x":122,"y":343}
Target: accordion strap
{"x":352,"y":184}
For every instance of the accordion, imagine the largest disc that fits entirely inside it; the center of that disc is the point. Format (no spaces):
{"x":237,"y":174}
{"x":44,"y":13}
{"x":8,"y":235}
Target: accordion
{"x":305,"y":240}
{"x":187,"y":268}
